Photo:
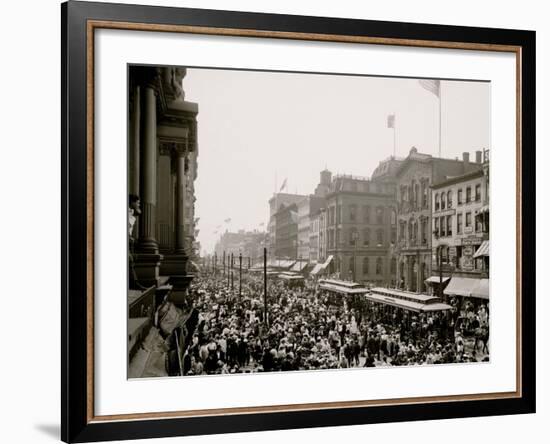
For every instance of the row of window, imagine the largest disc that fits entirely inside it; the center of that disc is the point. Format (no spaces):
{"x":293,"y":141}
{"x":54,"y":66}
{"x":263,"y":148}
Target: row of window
{"x":416,"y":194}
{"x":354,"y":237}
{"x":335,"y":214}
{"x":443,"y":225}
{"x":444,"y":199}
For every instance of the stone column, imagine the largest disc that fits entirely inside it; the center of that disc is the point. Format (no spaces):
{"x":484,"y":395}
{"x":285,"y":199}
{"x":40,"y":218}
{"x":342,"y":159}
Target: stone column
{"x":147,"y":260}
{"x":148,"y":172}
{"x":133,"y":186}
{"x":180,"y":203}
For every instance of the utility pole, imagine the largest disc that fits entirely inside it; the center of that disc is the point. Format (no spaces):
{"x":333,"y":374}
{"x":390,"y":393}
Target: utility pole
{"x":231,"y":271}
{"x":265,"y":287}
{"x":240,"y":273}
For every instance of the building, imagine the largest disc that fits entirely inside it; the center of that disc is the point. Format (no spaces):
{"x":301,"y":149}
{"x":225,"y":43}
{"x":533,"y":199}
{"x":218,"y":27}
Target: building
{"x":307,"y":207}
{"x":460,"y":238}
{"x":359,"y":216}
{"x":248,"y":243}
{"x":415,"y":177}
{"x":278,"y":201}
{"x":286,"y":235}
{"x":163,"y":154}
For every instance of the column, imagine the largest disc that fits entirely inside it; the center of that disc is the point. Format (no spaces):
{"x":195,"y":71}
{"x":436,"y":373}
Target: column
{"x":180,"y":203}
{"x":148,"y":172}
{"x":134,"y":145}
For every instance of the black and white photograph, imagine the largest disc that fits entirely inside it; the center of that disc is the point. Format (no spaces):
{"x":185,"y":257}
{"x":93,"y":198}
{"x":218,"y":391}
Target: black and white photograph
{"x":303,"y":221}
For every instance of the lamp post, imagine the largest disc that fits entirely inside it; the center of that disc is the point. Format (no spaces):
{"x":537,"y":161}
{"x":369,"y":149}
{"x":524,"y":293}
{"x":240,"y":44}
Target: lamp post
{"x":231,"y":271}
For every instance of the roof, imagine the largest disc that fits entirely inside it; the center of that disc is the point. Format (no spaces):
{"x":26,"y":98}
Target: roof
{"x":407,"y":305}
{"x":419,"y":297}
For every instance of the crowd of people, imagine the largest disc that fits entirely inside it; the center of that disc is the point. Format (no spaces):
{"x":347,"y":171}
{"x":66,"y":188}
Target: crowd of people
{"x":310,"y":329}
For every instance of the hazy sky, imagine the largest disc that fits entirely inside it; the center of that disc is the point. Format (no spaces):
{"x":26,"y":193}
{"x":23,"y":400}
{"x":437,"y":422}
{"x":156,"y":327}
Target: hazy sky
{"x":258,"y":127}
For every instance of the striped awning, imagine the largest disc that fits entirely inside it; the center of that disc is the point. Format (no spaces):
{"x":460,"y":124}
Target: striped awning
{"x":483,"y":249}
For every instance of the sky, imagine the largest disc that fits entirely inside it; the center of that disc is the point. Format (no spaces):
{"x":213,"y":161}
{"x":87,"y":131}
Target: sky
{"x":256,"y":129}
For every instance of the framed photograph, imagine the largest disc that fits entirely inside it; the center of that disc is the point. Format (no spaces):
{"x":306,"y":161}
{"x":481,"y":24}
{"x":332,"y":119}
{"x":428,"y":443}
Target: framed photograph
{"x":275,"y":221}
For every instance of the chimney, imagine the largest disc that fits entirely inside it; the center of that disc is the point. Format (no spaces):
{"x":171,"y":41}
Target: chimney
{"x":478,"y":156}
{"x":466,"y":158}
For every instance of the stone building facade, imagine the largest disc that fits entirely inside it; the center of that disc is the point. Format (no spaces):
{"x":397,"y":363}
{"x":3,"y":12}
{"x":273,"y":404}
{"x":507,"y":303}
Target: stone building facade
{"x":359,"y":229}
{"x":163,"y":155}
{"x":415,"y":177}
{"x":461,"y":222}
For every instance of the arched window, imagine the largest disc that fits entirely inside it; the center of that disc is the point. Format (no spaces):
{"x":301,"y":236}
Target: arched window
{"x":366,"y":214}
{"x":436,"y":201}
{"x":366,"y":237}
{"x":379,"y":215}
{"x":393,"y":265}
{"x":442,"y":201}
{"x":379,"y":237}
{"x":353,"y":235}
{"x":379,"y":265}
{"x":449,"y":199}
{"x":365,"y":265}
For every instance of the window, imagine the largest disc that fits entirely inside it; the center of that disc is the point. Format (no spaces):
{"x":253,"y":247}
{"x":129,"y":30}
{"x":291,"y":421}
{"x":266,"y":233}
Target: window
{"x":436,"y":226}
{"x":459,"y":197}
{"x":468,"y":195}
{"x":393,"y":265}
{"x":478,"y":193}
{"x":423,"y":225}
{"x":449,"y":199}
{"x":379,"y":265}
{"x":366,"y":214}
{"x":379,"y":215}
{"x":443,"y":225}
{"x":353,"y":235}
{"x":353,"y":212}
{"x":449,"y":226}
{"x":331,"y":215}
{"x":437,"y":201}
{"x":365,"y":265}
{"x":337,"y":236}
{"x":366,"y":237}
{"x":424,"y":195}
{"x":459,"y":223}
{"x":338,"y":214}
{"x":443,"y":200}
{"x":380,"y":237}
{"x":393,"y":235}
{"x":479,"y":223}
{"x":468,"y":220}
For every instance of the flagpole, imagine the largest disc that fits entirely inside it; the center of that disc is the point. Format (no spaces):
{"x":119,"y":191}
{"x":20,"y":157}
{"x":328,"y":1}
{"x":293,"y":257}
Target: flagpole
{"x":440,"y":119}
{"x":394,"y":142}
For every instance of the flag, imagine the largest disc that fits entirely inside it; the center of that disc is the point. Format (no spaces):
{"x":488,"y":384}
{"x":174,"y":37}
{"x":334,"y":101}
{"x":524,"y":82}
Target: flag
{"x":431,"y":85}
{"x":227,"y":220}
{"x":283,"y":186}
{"x":391,"y":121}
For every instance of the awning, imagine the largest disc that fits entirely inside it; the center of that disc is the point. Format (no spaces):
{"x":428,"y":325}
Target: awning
{"x":483,"y":249}
{"x":436,"y":280}
{"x":316,"y":269}
{"x":299,"y":266}
{"x":461,"y":286}
{"x":320,"y":267}
{"x":481,"y":291}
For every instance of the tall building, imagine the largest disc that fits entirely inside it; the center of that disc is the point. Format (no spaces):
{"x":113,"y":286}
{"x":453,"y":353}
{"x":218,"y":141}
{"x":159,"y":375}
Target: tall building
{"x":278,"y":201}
{"x":163,"y":153}
{"x":359,"y":216}
{"x":415,"y":177}
{"x":460,"y":237}
{"x":306,"y":208}
{"x":286,"y":235}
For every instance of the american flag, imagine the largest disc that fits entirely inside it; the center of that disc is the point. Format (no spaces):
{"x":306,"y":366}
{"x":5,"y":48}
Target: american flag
{"x":431,"y":85}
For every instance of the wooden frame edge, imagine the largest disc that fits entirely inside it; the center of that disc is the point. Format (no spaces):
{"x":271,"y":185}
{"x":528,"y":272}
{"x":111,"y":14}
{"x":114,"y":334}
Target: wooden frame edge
{"x":96,"y":24}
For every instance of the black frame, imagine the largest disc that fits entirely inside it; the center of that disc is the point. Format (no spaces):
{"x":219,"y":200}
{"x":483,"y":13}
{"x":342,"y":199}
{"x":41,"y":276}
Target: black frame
{"x":75,"y":426}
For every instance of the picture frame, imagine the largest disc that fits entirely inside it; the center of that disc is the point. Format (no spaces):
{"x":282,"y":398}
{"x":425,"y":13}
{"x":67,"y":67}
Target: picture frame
{"x":80,"y":22}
